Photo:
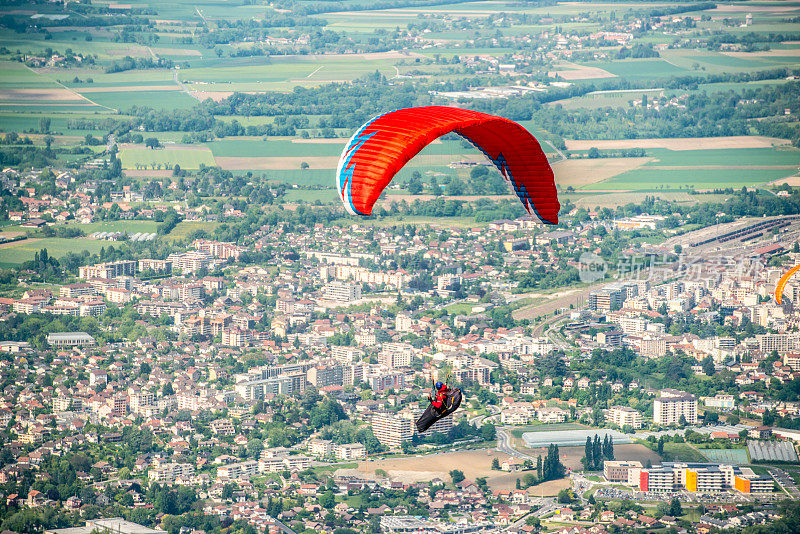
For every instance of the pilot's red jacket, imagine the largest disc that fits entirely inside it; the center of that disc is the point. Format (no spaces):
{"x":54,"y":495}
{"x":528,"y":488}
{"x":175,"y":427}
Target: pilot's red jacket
{"x":441,"y":396}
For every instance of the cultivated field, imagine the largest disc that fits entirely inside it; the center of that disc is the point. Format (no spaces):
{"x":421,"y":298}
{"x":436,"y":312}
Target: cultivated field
{"x":581,"y":172}
{"x":473,"y":464}
{"x":13,"y":254}
{"x":186,"y":157}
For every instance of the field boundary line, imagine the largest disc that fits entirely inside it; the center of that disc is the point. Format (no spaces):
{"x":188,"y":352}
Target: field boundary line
{"x":72,"y":91}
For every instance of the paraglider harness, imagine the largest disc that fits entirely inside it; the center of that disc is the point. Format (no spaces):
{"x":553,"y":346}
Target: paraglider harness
{"x":446,"y":402}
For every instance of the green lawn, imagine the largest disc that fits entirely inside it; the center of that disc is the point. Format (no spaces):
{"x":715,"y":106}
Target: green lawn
{"x":187,"y":158}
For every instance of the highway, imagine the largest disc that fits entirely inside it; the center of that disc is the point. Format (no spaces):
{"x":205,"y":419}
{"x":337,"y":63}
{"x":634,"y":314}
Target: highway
{"x":505,"y":444}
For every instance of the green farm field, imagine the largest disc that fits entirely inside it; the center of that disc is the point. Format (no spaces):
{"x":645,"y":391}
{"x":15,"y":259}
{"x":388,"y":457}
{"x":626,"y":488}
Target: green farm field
{"x":22,"y":251}
{"x":130,"y":227}
{"x":186,"y":157}
{"x":652,"y":179}
{"x":124,"y":100}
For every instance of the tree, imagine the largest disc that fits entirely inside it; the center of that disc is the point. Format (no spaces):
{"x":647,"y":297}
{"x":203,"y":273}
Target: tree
{"x":457,"y":476}
{"x":152,"y":142}
{"x":597,"y":453}
{"x":708,"y":366}
{"x":588,"y":459}
{"x":565,"y":496}
{"x":44,"y":125}
{"x":327,"y":500}
{"x":660,"y":445}
{"x":675,"y":508}
{"x":495,"y":464}
{"x":593,"y":153}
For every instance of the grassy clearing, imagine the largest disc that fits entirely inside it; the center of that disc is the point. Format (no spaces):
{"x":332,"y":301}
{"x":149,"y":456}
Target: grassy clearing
{"x":131,"y":227}
{"x":184,"y":228}
{"x":188,"y":158}
{"x":682,"y":452}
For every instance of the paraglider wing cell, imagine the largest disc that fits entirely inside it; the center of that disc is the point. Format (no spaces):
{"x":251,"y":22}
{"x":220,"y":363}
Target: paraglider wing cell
{"x":783,"y":281}
{"x":431,"y":414}
{"x":381,"y":147}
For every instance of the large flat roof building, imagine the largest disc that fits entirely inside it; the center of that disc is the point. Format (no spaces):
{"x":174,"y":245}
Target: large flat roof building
{"x":111,"y":525}
{"x":69,"y":339}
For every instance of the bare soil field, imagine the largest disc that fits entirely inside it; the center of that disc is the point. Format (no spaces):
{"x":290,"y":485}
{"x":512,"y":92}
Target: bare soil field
{"x":216,"y":96}
{"x":148,"y":174}
{"x":177,"y":52}
{"x":571,"y":456}
{"x":793,"y":181}
{"x":580,"y":72}
{"x":59,"y":95}
{"x":750,"y":8}
{"x":780,"y":52}
{"x":580,"y":172}
{"x":17,"y":243}
{"x":561,"y":299}
{"x":682,"y":143}
{"x":474,"y":464}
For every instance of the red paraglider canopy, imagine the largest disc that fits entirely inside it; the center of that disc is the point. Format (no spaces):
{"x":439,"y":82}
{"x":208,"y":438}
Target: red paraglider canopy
{"x":380,"y":148}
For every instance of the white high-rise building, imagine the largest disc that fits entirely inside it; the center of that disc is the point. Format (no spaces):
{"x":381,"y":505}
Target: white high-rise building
{"x":671,"y":404}
{"x":391,"y":430}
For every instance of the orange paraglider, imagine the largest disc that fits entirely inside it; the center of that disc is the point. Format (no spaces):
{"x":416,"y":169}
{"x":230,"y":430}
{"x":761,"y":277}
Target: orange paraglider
{"x":783,"y":281}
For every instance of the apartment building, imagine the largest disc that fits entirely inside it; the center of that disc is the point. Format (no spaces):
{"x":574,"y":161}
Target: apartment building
{"x":342,"y":291}
{"x":170,"y":472}
{"x":625,"y":415}
{"x":617,"y":470}
{"x":671,"y":405}
{"x":111,"y":269}
{"x":391,"y":430}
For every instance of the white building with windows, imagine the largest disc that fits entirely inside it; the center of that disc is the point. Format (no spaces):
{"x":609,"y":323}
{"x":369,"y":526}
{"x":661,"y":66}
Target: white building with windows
{"x":671,"y":405}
